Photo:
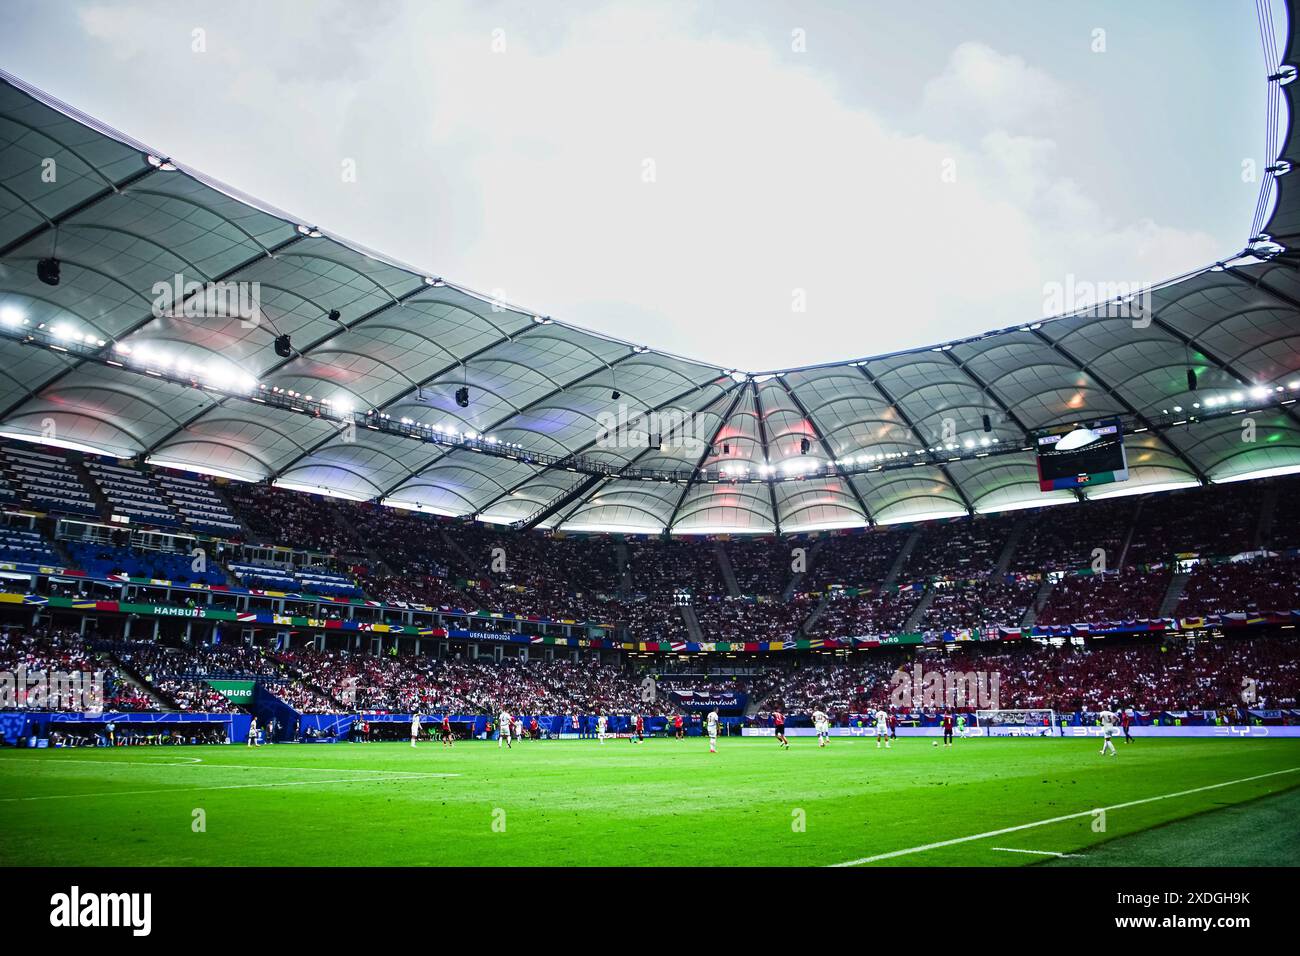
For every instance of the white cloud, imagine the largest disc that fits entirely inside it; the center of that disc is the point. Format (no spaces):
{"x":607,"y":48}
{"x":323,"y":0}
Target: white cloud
{"x":522,"y":170}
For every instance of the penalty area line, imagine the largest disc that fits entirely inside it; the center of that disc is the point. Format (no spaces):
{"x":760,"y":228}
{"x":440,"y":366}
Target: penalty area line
{"x":1061,"y":819}
{"x":1008,"y":849}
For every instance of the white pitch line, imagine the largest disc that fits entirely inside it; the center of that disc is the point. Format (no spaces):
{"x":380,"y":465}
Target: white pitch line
{"x":243,"y":766}
{"x":1008,"y":849}
{"x":231,"y":786}
{"x":1069,"y":816}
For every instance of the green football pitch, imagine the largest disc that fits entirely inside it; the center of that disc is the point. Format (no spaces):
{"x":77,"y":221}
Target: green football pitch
{"x":663,"y":802}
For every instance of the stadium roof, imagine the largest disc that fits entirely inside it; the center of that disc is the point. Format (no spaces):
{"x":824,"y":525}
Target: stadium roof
{"x":365,"y":405}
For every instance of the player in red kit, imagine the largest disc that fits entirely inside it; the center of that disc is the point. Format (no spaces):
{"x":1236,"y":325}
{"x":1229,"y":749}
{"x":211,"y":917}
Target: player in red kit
{"x":947,"y":729}
{"x":778,"y":724}
{"x":1126,"y":721}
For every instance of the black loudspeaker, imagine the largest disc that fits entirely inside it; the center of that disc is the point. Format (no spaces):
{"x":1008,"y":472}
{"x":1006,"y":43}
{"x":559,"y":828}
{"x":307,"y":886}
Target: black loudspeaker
{"x":462,"y":397}
{"x":1191,"y":379}
{"x":988,"y":424}
{"x":47,"y":270}
{"x":336,"y":315}
{"x":283,"y":347}
{"x":803,"y":446}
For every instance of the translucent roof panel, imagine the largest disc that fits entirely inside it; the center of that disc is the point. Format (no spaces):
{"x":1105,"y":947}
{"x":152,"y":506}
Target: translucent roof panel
{"x":158,"y":342}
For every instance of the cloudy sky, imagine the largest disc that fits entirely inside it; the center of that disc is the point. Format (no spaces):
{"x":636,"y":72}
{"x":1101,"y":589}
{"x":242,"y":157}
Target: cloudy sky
{"x":752,"y":183}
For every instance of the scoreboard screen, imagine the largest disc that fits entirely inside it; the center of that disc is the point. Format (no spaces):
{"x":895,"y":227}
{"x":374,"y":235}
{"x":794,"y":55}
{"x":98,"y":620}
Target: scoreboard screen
{"x":1075,"y":456}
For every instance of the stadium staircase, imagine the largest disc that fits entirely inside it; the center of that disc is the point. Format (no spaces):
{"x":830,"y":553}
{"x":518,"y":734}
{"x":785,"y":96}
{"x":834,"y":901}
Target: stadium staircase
{"x":1038,"y":603}
{"x":140,"y":686}
{"x":1009,"y":549}
{"x":914,"y":618}
{"x":1128,"y":538}
{"x":78,"y":464}
{"x":454,"y":547}
{"x":373,"y":560}
{"x":349,"y":530}
{"x":219,"y":489}
{"x":811,"y":620}
{"x":728,"y":572}
{"x":692,"y":622}
{"x":1267,"y":509}
{"x":624,"y":569}
{"x":903,"y":554}
{"x":1177,"y":585}
{"x":47,"y":527}
{"x":796,"y":578}
{"x":127,"y":674}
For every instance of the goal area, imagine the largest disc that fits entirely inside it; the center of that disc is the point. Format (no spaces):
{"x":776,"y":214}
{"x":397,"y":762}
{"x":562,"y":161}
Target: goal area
{"x":1031,"y":722}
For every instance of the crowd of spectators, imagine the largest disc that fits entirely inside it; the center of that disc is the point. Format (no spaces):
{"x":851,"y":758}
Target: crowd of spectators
{"x":979,"y":603}
{"x":1182,"y":675}
{"x":1151,"y":675}
{"x":406,"y":684}
{"x":741,"y":619}
{"x":1130,"y":595}
{"x":1067,"y":537}
{"x":292,"y":519}
{"x":762,"y":566}
{"x":1267,"y":583}
{"x":958,"y":548}
{"x":865,"y":614}
{"x":1213,"y":520}
{"x":852,"y":560}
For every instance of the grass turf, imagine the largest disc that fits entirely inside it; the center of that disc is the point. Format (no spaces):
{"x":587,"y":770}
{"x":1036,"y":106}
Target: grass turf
{"x":662,"y":802}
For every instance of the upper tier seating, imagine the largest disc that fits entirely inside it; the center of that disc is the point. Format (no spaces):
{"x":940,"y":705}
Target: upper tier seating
{"x":132,"y":492}
{"x":47,"y":481}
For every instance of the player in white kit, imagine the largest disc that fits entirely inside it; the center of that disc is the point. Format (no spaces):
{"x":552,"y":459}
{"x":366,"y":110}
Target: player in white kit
{"x":711,"y":725}
{"x":601,"y":723}
{"x":1107,"y":732}
{"x":882,"y":729}
{"x":822,"y":724}
{"x":503,"y":735}
{"x":415,"y":728}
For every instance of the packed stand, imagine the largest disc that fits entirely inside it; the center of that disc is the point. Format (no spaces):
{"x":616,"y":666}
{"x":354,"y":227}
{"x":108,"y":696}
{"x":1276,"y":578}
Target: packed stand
{"x":852,"y":560}
{"x":738,"y":619}
{"x":1067,"y":537}
{"x":408,"y":684}
{"x":865,"y":615}
{"x":961,"y":548}
{"x":978,"y":604}
{"x":292,"y":519}
{"x":1254,"y":586}
{"x":1215,"y":520}
{"x":1113,"y":596}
